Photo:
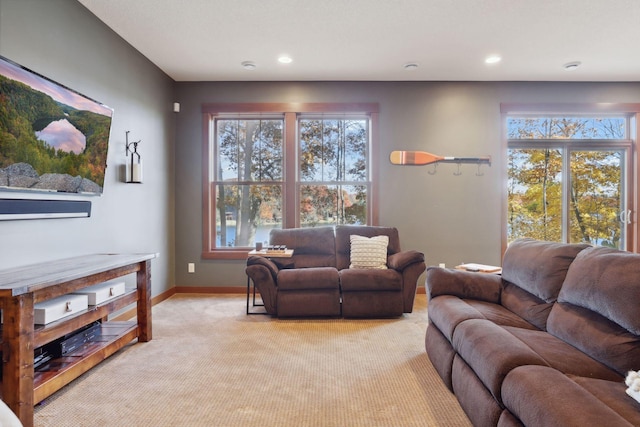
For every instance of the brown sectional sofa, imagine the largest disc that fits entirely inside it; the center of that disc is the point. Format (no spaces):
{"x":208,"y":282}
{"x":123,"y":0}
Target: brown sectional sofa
{"x":548,"y":343}
{"x":317,"y":280}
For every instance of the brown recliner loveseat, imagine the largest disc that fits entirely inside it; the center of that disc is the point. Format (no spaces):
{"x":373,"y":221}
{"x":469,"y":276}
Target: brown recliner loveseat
{"x":548,"y":343}
{"x":318,"y":281}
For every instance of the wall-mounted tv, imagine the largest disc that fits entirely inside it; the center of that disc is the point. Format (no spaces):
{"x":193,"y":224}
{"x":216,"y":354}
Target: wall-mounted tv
{"x":52,"y":138}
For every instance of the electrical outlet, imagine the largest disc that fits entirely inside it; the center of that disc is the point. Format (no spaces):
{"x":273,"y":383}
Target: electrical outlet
{"x":191,"y":267}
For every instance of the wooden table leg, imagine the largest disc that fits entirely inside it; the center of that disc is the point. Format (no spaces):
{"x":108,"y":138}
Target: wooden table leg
{"x":144,"y":301}
{"x":17,"y":356}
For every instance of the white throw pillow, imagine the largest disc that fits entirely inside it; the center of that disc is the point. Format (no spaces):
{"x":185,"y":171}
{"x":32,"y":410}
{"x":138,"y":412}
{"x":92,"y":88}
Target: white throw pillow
{"x":369,"y":252}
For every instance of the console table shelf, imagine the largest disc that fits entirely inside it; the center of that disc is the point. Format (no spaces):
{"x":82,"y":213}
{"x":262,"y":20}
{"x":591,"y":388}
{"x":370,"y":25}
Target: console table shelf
{"x":22,"y":287}
{"x":59,"y":372}
{"x":46,"y":333}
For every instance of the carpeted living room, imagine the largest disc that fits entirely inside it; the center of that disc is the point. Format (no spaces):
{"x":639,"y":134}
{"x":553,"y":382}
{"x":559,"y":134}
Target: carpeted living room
{"x":302,"y":213}
{"x":209,"y":364}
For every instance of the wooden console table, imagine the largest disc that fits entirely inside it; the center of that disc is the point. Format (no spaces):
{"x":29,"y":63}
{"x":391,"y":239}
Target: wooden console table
{"x":22,"y":287}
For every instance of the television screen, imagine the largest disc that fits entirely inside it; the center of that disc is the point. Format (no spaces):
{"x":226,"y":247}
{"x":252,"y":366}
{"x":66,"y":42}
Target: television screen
{"x":52,"y":139}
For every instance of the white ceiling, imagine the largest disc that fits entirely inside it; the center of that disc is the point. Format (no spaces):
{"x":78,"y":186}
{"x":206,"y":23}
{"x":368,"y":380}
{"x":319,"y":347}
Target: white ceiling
{"x":207,"y":40}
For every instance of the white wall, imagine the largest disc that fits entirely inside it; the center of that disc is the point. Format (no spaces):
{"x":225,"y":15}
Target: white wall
{"x":62,"y":40}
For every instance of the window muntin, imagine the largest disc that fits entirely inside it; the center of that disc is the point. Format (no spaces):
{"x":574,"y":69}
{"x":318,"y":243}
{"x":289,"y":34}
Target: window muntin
{"x":567,"y":178}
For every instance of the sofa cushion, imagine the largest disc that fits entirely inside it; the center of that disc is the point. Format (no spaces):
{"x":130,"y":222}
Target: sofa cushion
{"x":542,"y":396}
{"x":474,"y":398}
{"x":562,"y":356}
{"x":606,"y":281}
{"x":597,"y":309}
{"x":307,"y":303}
{"x":312,"y":247}
{"x":539,"y":268}
{"x":612,"y":394}
{"x":525,"y":305}
{"x":343,"y":241}
{"x":356,"y":280}
{"x":368,"y":252}
{"x":447,"y":311}
{"x":507,"y":419}
{"x":440,"y":353}
{"x":371,"y":303}
{"x":308,"y":278}
{"x":491,"y":352}
{"x":596,"y":336}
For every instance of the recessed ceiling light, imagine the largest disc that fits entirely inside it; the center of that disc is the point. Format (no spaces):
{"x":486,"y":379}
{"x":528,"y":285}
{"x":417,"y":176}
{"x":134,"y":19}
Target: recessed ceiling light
{"x":248,"y":65}
{"x":493,"y":59}
{"x":570,"y":66}
{"x":285,"y":59}
{"x":410,"y":66}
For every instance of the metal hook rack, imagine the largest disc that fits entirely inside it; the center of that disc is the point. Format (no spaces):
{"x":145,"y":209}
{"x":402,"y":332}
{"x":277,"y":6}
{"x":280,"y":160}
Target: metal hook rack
{"x":459,"y":161}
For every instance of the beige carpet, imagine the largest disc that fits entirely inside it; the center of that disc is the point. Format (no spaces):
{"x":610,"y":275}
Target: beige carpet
{"x":209,"y":364}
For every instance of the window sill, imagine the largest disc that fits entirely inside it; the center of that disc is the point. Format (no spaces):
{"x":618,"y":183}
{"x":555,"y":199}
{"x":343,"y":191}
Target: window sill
{"x":236,"y":253}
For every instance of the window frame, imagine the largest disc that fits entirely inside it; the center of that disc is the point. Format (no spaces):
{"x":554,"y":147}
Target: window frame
{"x":290,"y":113}
{"x":632,"y":111}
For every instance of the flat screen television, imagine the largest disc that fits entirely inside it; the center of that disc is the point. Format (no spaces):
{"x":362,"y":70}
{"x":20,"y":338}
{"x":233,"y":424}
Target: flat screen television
{"x":52,"y":138}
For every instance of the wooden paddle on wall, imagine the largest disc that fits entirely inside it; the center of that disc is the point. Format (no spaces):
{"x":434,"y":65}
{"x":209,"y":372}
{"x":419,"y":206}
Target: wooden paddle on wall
{"x":420,"y":158}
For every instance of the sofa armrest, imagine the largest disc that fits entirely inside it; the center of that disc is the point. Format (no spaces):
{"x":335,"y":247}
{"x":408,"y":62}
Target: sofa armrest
{"x":463,"y":284}
{"x":401,"y":260}
{"x":263,"y":272}
{"x":411,"y":265}
{"x":266,"y":262}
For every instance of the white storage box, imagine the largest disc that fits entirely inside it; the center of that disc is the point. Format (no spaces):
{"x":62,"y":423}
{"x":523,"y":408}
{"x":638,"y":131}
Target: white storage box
{"x":103,"y":291}
{"x":57,"y":308}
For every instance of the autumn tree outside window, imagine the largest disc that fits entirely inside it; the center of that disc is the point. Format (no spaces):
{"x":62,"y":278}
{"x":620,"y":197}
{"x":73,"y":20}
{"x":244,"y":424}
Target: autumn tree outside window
{"x":333,"y":170}
{"x":281,"y":166}
{"x":248,"y":178}
{"x":568,"y":178}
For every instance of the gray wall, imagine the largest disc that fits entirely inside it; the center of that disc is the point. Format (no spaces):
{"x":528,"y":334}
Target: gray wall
{"x":60,"y":39}
{"x":452,"y":219}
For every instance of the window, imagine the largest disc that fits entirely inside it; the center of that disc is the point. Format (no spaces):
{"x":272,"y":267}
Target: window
{"x":569,"y":178}
{"x":280,"y":166}
{"x":333,"y":171}
{"x":249,"y":179}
